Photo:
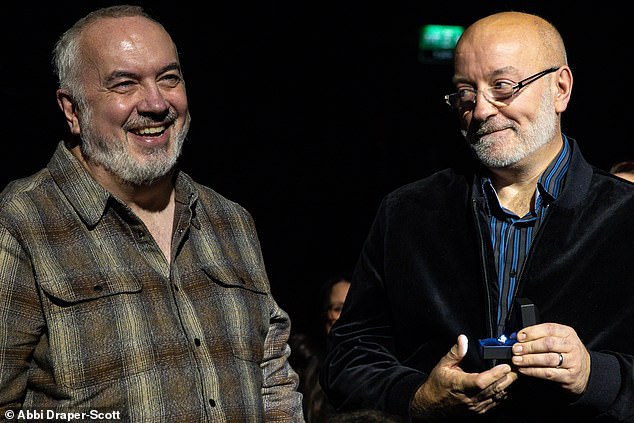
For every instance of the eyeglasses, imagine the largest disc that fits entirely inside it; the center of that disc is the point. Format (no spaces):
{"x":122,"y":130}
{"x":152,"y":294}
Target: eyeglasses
{"x":465,"y":98}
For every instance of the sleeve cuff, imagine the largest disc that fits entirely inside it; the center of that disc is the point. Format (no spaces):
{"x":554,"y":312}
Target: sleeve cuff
{"x":402,"y":395}
{"x":603,"y":385}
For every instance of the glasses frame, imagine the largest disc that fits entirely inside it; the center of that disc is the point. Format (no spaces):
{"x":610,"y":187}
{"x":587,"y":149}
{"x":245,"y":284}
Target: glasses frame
{"x":514,"y":89}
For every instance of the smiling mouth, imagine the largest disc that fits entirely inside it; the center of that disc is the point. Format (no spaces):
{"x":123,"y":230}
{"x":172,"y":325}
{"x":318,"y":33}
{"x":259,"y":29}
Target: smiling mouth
{"x":149,"y":131}
{"x":488,"y":131}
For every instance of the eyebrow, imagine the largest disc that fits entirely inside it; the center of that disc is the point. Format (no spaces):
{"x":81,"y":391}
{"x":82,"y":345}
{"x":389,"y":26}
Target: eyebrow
{"x":496,"y":72}
{"x":125,"y":74}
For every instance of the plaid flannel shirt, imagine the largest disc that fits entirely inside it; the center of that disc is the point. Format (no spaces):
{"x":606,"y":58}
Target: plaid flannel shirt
{"x":93,"y":318}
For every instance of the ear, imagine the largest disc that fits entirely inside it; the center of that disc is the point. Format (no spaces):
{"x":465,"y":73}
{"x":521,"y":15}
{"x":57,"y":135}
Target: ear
{"x":67,"y":104}
{"x":564,"y":88}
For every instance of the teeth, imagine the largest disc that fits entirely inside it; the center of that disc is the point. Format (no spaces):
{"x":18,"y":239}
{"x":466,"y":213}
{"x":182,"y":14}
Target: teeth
{"x":150,"y":131}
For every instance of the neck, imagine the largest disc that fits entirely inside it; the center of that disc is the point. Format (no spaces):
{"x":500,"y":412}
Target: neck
{"x":154,"y":204}
{"x":150,"y":198}
{"x":516,"y":194}
{"x":516,"y":184}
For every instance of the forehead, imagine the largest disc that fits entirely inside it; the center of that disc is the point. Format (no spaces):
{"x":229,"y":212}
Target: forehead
{"x":339,"y":289}
{"x":130,"y":42}
{"x":486,"y":50}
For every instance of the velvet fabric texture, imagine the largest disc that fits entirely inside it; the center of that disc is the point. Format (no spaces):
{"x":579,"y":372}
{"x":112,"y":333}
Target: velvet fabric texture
{"x":422,"y":279}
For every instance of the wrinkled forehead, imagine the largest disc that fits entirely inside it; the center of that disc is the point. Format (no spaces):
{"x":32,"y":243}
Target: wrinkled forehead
{"x":488,"y":48}
{"x":127,"y":39}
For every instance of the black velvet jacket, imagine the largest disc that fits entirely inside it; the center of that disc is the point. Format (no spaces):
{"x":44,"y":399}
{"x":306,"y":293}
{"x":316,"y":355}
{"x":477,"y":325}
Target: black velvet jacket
{"x":421,"y":280}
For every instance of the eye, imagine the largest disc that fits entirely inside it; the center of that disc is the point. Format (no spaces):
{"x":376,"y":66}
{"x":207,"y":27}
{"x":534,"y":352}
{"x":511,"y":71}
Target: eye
{"x":123,"y":85}
{"x":170,"y":80}
{"x":466,"y":93}
{"x":335,"y":308}
{"x":502,"y":87}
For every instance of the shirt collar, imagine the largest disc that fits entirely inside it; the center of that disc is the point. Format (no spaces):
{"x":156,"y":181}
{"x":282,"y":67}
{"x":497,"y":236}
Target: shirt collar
{"x":549,"y":185}
{"x":88,"y":197}
{"x":552,"y":180}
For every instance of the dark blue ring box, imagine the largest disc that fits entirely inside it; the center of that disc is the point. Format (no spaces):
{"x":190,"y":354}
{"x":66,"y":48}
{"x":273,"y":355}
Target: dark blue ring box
{"x":493,"y":349}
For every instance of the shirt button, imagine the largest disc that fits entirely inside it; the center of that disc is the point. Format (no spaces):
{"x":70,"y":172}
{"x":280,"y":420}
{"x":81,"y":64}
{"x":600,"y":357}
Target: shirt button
{"x":98,"y":288}
{"x":197,"y":342}
{"x":212,"y":402}
{"x":513,"y":273}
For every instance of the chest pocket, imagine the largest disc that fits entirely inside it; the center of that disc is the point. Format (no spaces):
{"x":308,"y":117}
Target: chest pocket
{"x":236,"y":279}
{"x":75,"y":288}
{"x":246,"y":304}
{"x":90,"y":315}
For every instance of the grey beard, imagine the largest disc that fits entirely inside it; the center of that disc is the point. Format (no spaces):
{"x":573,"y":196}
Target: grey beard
{"x":113,"y":156}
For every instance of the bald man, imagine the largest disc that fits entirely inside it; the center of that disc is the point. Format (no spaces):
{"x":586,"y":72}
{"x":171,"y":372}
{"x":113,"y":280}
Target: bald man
{"x":430,"y":327}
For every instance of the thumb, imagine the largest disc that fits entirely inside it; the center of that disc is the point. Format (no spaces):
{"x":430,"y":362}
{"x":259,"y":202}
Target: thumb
{"x":457,"y":351}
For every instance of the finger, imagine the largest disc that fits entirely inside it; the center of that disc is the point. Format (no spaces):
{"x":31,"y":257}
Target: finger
{"x":481,"y":406}
{"x":463,"y":346}
{"x":553,"y":360}
{"x":486,"y":404}
{"x":545,"y":344}
{"x":542,"y":330}
{"x":549,"y":366}
{"x":457,"y":352}
{"x":497,"y":389}
{"x":548,"y":373}
{"x":488,"y":384}
{"x":489,"y":406}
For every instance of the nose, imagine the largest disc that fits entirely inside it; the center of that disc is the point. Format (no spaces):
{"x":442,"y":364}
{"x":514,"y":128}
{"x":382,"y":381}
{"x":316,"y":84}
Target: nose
{"x":483,"y":107}
{"x":153,"y":100}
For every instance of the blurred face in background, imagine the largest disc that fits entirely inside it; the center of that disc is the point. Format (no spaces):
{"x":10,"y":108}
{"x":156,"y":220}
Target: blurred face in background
{"x":338,"y":293}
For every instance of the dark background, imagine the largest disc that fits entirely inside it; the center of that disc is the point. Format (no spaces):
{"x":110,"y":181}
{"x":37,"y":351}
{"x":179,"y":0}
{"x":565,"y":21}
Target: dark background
{"x":307,"y":113}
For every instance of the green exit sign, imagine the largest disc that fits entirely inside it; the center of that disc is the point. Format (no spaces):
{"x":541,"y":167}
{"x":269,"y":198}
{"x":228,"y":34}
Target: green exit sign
{"x":437,"y":42}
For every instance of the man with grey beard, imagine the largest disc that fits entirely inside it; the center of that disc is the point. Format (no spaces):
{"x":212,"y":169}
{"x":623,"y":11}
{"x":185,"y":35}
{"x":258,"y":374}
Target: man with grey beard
{"x":500,"y":291}
{"x":129,"y":291}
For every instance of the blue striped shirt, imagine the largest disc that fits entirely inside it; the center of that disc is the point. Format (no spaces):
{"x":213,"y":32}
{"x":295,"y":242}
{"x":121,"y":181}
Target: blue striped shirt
{"x":512,"y":235}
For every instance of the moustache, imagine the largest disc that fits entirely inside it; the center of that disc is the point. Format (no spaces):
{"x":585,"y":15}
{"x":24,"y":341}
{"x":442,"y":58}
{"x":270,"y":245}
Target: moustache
{"x":143,"y":121}
{"x":486,"y":128}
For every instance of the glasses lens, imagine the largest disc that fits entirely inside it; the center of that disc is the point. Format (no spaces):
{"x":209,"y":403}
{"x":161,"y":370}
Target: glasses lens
{"x":501,"y":92}
{"x":466,"y":97}
{"x":463,"y":99}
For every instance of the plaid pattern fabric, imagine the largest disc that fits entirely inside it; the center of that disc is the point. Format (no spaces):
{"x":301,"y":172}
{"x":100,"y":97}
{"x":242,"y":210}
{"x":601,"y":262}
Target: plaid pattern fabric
{"x":93,"y":317}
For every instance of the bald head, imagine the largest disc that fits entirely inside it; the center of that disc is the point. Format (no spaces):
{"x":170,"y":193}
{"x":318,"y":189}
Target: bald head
{"x":537,"y":40}
{"x":511,"y":73}
{"x":68,"y":55}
